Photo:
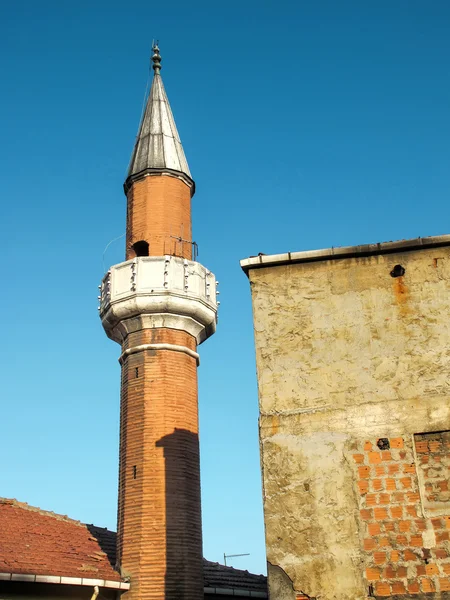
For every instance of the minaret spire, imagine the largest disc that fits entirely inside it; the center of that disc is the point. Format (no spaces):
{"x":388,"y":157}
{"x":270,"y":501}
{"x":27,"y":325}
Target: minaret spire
{"x":158,"y":146}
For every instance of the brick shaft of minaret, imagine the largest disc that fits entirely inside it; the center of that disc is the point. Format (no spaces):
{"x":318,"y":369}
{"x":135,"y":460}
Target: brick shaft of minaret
{"x":159,"y":213}
{"x":159,"y":513}
{"x":159,"y":516}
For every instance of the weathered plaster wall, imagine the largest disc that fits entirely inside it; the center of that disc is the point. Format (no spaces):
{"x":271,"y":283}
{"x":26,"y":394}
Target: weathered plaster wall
{"x":346,"y":355}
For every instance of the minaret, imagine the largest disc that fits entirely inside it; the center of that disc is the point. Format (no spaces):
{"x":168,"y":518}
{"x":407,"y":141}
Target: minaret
{"x":159,"y":305}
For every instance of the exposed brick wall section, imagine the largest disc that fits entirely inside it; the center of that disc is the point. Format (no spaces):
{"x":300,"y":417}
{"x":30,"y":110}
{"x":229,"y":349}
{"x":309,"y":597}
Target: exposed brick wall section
{"x":433,"y":453}
{"x":159,"y":518}
{"x":405,"y":552}
{"x":158,"y":212}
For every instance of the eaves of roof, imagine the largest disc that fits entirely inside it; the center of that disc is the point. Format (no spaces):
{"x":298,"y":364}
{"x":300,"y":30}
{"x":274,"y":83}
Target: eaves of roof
{"x":83,"y":581}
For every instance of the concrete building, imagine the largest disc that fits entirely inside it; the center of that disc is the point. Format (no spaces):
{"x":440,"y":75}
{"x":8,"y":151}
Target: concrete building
{"x":353,"y":367}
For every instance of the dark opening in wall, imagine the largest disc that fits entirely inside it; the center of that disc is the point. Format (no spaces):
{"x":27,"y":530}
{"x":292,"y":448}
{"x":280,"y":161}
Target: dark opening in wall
{"x":141,"y":248}
{"x":383,"y":444}
{"x":398,"y":271}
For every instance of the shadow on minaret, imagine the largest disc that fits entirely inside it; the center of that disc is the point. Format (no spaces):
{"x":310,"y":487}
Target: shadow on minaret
{"x":184,"y":574}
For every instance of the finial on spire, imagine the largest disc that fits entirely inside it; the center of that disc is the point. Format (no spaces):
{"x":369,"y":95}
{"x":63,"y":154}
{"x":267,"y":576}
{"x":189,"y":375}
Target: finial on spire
{"x":156,"y":58}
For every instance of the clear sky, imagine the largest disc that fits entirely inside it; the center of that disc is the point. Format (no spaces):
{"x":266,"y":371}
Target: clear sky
{"x":305,"y":124}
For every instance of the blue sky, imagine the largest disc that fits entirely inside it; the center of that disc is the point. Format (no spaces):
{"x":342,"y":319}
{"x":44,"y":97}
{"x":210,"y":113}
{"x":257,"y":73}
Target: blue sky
{"x":305,"y":124}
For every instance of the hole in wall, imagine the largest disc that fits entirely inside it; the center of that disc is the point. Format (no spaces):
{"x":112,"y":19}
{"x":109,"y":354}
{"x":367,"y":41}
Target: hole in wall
{"x":134,"y":472}
{"x":137,"y":372}
{"x":141,"y":248}
{"x":398,"y":271}
{"x":383,"y":444}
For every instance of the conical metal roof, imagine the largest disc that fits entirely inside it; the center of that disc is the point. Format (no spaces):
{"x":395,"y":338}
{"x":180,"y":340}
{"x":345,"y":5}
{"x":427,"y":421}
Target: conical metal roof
{"x":158,"y":147}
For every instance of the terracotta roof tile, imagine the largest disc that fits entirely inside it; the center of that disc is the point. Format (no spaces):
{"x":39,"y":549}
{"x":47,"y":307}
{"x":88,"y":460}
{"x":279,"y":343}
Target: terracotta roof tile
{"x":34,"y":541}
{"x":44,"y":543}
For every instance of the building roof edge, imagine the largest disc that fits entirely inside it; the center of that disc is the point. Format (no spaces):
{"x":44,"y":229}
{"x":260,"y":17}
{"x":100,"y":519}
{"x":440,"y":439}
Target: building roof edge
{"x":61,"y":579}
{"x":273,"y":260}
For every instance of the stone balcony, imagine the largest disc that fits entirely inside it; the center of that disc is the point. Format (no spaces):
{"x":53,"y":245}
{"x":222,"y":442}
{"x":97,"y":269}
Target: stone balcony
{"x":163,"y":291}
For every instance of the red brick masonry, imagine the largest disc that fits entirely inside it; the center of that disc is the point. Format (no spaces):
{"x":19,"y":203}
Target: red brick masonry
{"x":403,"y":490}
{"x":159,"y":212}
{"x":159,"y":524}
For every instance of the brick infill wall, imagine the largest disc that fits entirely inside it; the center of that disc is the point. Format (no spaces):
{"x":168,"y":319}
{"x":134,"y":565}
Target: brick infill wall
{"x":406,"y":550}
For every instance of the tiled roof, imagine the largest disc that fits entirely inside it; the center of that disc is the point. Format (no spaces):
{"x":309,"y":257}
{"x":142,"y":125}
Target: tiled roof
{"x":34,"y":541}
{"x":44,"y":543}
{"x":215,"y":575}
{"x":219,"y":576}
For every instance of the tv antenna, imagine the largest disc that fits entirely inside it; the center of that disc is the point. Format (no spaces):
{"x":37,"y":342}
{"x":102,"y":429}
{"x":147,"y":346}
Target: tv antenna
{"x":225,"y":556}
